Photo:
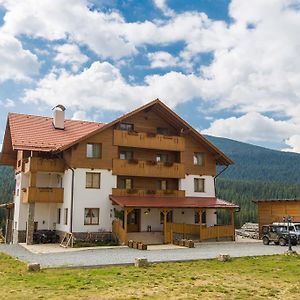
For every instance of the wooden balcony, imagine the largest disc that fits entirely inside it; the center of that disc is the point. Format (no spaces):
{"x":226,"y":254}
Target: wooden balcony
{"x":42,"y":195}
{"x":38,"y":164}
{"x":144,"y":192}
{"x":148,"y":141}
{"x":148,"y":169}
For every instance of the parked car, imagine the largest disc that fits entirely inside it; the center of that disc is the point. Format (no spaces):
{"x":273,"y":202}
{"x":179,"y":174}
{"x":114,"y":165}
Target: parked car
{"x":278,"y":235}
{"x":294,"y":228}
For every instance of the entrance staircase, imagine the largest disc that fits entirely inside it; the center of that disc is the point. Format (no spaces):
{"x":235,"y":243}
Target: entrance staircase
{"x":149,"y":238}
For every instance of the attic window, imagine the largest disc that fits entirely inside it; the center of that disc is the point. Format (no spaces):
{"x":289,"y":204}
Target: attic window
{"x":93,"y":150}
{"x":198,"y":158}
{"x":126,"y":126}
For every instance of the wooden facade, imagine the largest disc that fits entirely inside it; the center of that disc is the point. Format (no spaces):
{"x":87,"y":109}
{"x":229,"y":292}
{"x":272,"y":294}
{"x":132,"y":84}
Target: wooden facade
{"x":270,"y":211}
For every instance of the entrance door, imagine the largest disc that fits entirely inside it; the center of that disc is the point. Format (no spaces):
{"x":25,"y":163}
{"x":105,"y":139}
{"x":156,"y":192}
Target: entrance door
{"x":133,"y":221}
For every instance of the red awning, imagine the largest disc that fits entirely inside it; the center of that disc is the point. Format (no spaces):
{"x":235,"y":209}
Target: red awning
{"x":170,"y":202}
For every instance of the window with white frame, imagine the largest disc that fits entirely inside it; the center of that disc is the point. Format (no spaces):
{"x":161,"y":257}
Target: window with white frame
{"x":92,"y":180}
{"x":93,"y":150}
{"x":199,"y":185}
{"x":91,"y":216}
{"x":198,"y":158}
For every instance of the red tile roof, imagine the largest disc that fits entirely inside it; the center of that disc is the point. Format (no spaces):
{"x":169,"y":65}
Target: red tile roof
{"x":37,"y":133}
{"x":168,"y":202}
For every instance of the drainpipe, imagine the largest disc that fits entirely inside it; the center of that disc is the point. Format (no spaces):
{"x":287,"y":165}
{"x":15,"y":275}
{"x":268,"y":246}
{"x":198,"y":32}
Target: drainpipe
{"x":217,"y":176}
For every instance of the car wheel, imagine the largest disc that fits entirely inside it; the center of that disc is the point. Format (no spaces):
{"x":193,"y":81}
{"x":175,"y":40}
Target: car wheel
{"x":276,"y":243}
{"x":266,"y":240}
{"x":282,"y":242}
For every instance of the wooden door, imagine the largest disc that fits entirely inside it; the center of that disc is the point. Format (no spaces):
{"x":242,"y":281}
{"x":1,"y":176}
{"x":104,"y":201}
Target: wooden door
{"x":133,"y":221}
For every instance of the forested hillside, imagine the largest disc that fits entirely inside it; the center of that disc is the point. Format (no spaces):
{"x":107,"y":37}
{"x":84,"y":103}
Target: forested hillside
{"x":7,"y":181}
{"x":258,"y":163}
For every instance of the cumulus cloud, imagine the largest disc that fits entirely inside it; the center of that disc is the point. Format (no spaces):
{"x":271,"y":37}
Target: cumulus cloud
{"x":70,"y":54}
{"x":294,"y":144}
{"x":162,"y":59}
{"x":102,"y":86}
{"x":15,"y":62}
{"x":162,"y":5}
{"x":7,"y":103}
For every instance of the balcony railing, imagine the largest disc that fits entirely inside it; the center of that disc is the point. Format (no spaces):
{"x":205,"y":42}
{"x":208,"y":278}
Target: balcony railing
{"x":147,"y":192}
{"x":38,"y":164}
{"x":148,"y":141}
{"x":148,"y":168}
{"x":42,"y":195}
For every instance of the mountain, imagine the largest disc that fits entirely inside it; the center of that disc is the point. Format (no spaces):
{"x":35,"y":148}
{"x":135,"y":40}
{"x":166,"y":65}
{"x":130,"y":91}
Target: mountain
{"x":257,"y":163}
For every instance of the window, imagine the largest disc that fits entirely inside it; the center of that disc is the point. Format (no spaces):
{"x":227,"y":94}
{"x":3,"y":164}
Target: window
{"x":162,"y":185}
{"x":169,"y":217}
{"x":66,"y":217}
{"x":199,"y":185}
{"x":162,"y":157}
{"x":126,"y":183}
{"x":91,"y":216}
{"x":198,"y":159}
{"x":126,"y":155}
{"x":126,"y":126}
{"x":92,"y":180}
{"x":197,"y":218}
{"x":161,"y":130}
{"x":58,"y":215}
{"x":93,"y":150}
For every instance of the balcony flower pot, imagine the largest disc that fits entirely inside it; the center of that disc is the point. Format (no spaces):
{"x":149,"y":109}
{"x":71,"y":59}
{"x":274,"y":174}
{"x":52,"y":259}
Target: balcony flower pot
{"x":151,"y":162}
{"x":151,"y":134}
{"x":133,"y":161}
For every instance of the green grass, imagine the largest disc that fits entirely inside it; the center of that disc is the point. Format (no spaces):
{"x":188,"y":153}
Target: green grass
{"x":269,"y":277}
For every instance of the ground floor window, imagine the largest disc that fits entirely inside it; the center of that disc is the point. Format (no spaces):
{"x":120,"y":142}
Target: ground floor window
{"x":66,"y":216}
{"x":58,"y":215}
{"x":169,"y":217}
{"x":91,"y":216}
{"x":197,"y":217}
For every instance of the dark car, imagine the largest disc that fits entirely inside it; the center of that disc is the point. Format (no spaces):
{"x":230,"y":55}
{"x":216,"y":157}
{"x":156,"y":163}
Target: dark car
{"x":277,"y":234}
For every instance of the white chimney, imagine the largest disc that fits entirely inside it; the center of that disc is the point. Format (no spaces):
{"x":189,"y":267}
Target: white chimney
{"x":59,"y":116}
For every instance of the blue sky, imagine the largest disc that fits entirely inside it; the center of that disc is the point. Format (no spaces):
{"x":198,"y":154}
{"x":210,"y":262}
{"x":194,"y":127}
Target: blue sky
{"x":230,"y":68}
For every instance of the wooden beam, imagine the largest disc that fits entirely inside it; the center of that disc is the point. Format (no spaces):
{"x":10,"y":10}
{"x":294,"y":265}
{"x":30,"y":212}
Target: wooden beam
{"x":232,"y":224}
{"x":200,"y":223}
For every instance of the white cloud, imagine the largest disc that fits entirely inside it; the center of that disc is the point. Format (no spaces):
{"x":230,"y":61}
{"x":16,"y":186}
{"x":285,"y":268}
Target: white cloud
{"x":7,"y":103}
{"x":162,"y":59}
{"x":102,"y":86}
{"x":294,"y":143}
{"x":80,"y":115}
{"x":70,"y":54}
{"x":162,"y":5}
{"x":254,"y":127}
{"x":15,"y":62}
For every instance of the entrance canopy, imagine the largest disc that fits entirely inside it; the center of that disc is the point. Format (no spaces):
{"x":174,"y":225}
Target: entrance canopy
{"x":170,"y":202}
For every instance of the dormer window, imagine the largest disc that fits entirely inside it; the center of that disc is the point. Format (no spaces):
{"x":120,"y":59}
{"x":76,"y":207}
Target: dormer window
{"x":126,"y":126}
{"x":93,"y":150}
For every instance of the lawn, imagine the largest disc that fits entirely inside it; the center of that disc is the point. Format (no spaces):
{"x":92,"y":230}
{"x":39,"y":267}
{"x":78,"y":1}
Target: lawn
{"x":269,"y":277}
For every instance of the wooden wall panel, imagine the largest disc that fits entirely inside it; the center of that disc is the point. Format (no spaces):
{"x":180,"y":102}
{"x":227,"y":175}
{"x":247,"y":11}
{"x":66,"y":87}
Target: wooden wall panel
{"x":149,"y":122}
{"x":109,"y":151}
{"x":192,"y":146}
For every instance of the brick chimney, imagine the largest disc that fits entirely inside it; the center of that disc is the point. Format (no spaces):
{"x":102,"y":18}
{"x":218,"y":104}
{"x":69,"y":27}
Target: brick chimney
{"x":59,"y":117}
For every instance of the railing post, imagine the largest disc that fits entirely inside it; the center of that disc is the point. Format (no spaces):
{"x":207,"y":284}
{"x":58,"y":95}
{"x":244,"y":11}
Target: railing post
{"x":125,"y":224}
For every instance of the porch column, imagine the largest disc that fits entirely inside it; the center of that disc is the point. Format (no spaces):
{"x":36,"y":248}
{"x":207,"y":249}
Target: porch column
{"x":232,"y":224}
{"x":200,"y":224}
{"x":165,"y":212}
{"x":126,"y":212}
{"x":30,"y":224}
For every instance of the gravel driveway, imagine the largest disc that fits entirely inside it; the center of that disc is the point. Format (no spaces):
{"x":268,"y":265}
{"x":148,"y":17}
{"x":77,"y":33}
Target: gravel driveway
{"x":103,"y":257}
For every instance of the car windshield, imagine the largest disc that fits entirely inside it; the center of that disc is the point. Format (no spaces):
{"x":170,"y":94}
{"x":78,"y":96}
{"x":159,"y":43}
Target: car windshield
{"x":281,"y":228}
{"x":297,"y":227}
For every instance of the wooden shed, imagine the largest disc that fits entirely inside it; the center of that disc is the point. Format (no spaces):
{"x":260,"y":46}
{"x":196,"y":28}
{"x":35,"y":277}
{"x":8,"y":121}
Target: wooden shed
{"x":275,"y":210}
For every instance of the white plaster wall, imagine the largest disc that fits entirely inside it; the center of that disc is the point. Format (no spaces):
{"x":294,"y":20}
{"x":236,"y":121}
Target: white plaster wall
{"x":20,"y":210}
{"x":45,"y":215}
{"x":66,"y":184}
{"x":93,"y":198}
{"x":152,"y":219}
{"x":187,"y":184}
{"x":187,"y":217}
{"x":49,"y":179}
